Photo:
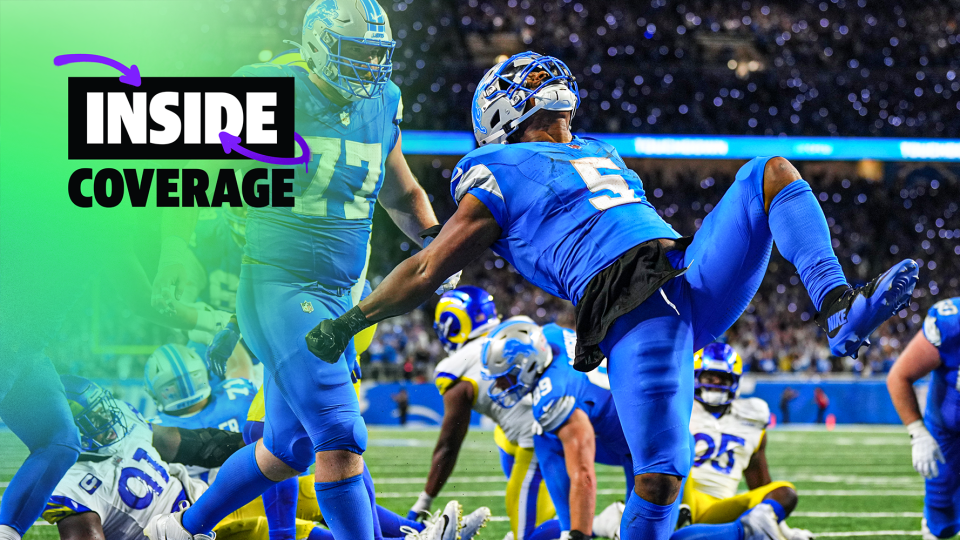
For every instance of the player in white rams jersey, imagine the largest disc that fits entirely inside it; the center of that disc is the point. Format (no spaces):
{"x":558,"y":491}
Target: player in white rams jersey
{"x":123,"y":477}
{"x":730,"y":440}
{"x":463,"y":317}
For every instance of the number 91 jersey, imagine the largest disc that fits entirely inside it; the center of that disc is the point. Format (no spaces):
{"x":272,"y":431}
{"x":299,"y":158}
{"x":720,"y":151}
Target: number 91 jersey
{"x":725,"y":445}
{"x":126,"y":484}
{"x":566,"y":211}
{"x":324,"y":236}
{"x":942,"y":329}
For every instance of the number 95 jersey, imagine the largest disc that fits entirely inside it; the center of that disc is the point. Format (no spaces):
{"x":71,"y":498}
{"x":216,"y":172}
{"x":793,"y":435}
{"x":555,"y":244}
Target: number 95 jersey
{"x":324,"y":236}
{"x":567,"y":211}
{"x":942,"y":329}
{"x":725,"y":445}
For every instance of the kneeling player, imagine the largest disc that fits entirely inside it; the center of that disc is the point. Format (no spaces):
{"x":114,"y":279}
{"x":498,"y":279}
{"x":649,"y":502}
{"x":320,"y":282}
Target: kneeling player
{"x":935,"y":436}
{"x":576,"y":420}
{"x":463,"y":318}
{"x":729,"y":433}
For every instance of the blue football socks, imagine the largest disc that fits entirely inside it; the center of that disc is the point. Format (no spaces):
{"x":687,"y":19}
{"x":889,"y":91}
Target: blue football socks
{"x":643,"y":519}
{"x":238,"y":482}
{"x":346,"y":508}
{"x":803,"y":238}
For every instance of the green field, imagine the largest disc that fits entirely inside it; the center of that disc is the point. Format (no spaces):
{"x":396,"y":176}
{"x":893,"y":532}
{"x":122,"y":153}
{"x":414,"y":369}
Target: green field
{"x":853,"y":482}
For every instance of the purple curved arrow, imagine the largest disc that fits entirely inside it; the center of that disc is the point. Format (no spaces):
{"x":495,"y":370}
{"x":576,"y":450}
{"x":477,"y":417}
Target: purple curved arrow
{"x":131,"y":75}
{"x":232,"y":142}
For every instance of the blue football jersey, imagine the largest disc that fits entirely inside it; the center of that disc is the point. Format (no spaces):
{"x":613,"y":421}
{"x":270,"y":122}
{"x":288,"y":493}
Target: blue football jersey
{"x":562,"y":389}
{"x":942,"y":329}
{"x":567,"y":211}
{"x":226,"y":410}
{"x":324,"y":236}
{"x":220,"y":255}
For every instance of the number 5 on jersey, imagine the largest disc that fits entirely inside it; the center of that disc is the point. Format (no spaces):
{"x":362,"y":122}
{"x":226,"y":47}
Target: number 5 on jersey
{"x":589,"y":170}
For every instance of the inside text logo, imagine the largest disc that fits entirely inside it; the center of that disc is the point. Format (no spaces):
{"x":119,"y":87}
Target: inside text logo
{"x":179,"y":117}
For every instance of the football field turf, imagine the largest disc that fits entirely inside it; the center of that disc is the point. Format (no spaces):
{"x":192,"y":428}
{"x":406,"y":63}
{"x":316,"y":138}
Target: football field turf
{"x":853,"y":482}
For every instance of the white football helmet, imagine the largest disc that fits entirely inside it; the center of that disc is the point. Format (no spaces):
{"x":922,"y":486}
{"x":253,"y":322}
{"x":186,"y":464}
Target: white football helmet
{"x":500,"y":102}
{"x":348,"y":44}
{"x":176,"y":378}
{"x":515,"y":354}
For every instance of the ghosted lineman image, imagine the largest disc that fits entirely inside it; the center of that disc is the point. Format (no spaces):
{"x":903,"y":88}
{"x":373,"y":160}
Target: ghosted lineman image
{"x":361,"y":269}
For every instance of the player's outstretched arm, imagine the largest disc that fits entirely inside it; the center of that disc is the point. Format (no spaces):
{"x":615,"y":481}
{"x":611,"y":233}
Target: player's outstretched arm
{"x":917,"y":360}
{"x":85,"y":526}
{"x":453,"y":430}
{"x":403,"y":197}
{"x":470,"y":231}
{"x":757,"y":473}
{"x":579,"y":449}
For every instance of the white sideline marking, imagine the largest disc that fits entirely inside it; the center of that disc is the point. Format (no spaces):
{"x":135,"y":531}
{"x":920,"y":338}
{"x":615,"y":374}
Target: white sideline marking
{"x":866,"y":533}
{"x":914,"y":481}
{"x":858,"y":514}
{"x":802,"y":492}
{"x":855,"y":493}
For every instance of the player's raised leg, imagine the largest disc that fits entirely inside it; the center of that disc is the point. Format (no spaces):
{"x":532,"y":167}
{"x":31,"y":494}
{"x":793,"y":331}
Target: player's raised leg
{"x":36,"y":410}
{"x":769,"y":202}
{"x":650,"y":354}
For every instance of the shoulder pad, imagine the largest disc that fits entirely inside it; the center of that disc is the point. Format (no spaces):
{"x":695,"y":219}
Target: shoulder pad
{"x":752,"y":409}
{"x":455,"y":366}
{"x":555,"y":412}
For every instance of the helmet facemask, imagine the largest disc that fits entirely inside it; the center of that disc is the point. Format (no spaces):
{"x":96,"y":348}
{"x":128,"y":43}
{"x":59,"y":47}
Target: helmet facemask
{"x":100,"y":421}
{"x":517,"y":88}
{"x":515,"y":355}
{"x":349,"y":46}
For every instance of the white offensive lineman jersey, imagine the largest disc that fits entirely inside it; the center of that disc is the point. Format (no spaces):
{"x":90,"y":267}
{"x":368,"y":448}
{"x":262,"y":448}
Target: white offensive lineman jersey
{"x":125,"y":484}
{"x":466,"y":365}
{"x":725,"y":445}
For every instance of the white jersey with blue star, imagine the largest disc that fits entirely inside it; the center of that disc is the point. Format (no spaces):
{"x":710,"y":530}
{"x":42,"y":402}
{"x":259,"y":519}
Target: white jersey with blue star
{"x":126,"y":484}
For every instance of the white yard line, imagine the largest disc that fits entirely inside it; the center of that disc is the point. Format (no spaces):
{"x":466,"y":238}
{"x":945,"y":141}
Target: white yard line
{"x":858,"y":514}
{"x":866,"y":533}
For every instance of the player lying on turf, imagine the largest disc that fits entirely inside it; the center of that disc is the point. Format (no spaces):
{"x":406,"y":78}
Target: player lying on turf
{"x":177,"y":379}
{"x":570,"y":216}
{"x":123,"y":477}
{"x":935,"y":436}
{"x":729,"y":436}
{"x":463,"y":317}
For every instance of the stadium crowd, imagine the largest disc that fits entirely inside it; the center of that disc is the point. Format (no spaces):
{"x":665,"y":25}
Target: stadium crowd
{"x":830,"y":67}
{"x":913,"y":214}
{"x":770,"y":67}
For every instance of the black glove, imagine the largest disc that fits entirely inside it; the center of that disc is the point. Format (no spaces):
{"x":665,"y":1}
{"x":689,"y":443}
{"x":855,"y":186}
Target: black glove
{"x":329,"y":339}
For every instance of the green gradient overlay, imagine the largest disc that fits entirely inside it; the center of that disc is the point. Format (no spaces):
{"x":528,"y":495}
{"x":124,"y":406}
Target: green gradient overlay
{"x":50,"y":250}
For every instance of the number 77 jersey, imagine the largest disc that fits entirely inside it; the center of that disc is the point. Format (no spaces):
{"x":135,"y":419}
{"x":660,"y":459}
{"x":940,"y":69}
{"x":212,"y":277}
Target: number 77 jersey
{"x":566,"y":210}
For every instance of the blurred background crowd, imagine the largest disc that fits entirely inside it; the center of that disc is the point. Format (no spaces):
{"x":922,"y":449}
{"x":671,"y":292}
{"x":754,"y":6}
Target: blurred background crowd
{"x":763,"y":67}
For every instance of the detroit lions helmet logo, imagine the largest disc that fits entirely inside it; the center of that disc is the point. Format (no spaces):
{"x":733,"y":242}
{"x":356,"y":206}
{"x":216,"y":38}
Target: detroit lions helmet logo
{"x":514,"y":348}
{"x":324,"y":12}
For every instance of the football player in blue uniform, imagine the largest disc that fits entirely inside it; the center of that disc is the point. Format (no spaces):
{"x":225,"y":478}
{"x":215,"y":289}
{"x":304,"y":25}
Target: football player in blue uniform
{"x":570,"y":216}
{"x":34,"y":407}
{"x":934,"y":436}
{"x":300,"y":264}
{"x":577,"y":425}
{"x":176,"y":378}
